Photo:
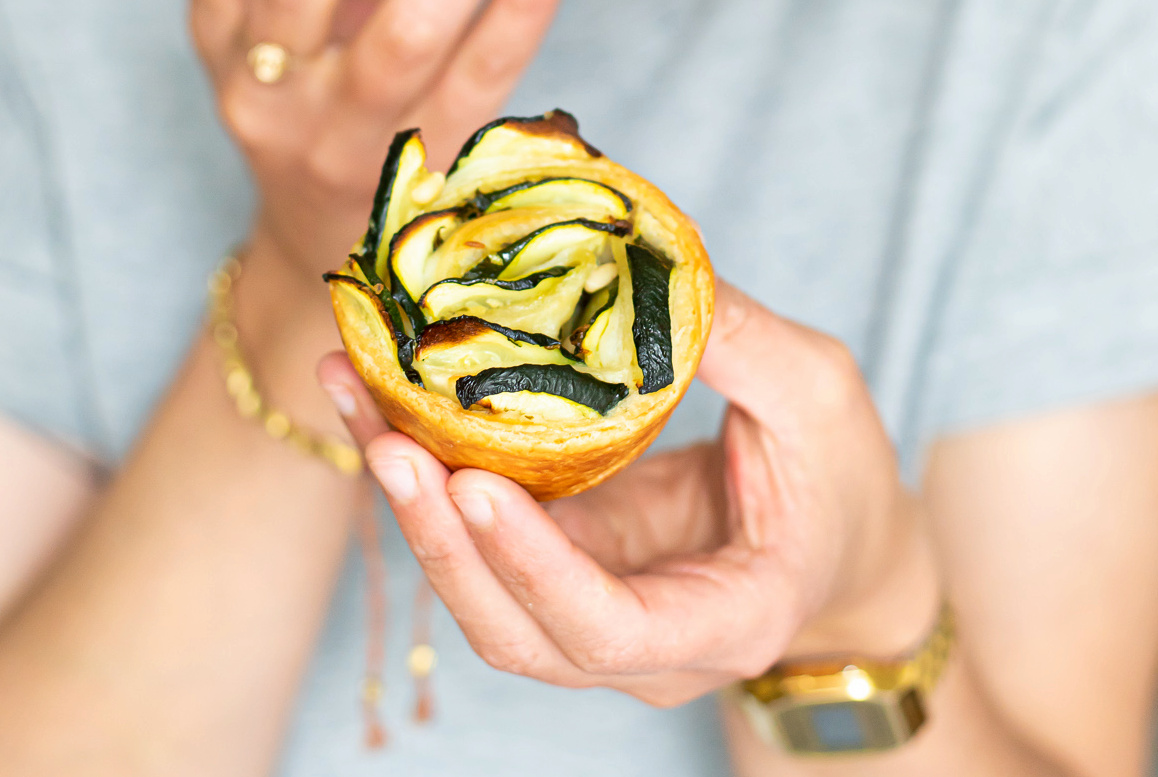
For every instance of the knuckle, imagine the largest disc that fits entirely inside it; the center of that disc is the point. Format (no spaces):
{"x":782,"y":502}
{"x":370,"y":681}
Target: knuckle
{"x":838,"y":376}
{"x":837,"y":356}
{"x":663,"y":698}
{"x":751,"y":666}
{"x":412,"y":41}
{"x":518,"y":656}
{"x":241,"y":115}
{"x":378,"y":72}
{"x":604,"y":657}
{"x":437,"y":557}
{"x":733,"y":321}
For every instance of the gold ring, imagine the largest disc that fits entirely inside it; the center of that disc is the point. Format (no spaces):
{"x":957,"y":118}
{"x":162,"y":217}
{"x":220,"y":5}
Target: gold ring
{"x":268,"y":61}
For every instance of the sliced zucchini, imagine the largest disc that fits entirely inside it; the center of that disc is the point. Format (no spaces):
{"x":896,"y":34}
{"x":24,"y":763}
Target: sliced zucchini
{"x":389,"y":313}
{"x":519,"y":284}
{"x":651,"y":329}
{"x":448,"y":350}
{"x":412,"y":246}
{"x":541,"y":302}
{"x":594,"y":316}
{"x":551,"y":379}
{"x":361,"y":268}
{"x":394,"y":206}
{"x":606,"y":346}
{"x":486,"y":270}
{"x":481,"y":237}
{"x":544,"y":245}
{"x":529,"y":406}
{"x":506,"y":288}
{"x":556,"y":191}
{"x":508,"y":141}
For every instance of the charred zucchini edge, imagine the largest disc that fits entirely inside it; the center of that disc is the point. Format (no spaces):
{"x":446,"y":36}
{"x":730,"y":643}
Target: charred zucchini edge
{"x":555,"y":379}
{"x":651,"y":330}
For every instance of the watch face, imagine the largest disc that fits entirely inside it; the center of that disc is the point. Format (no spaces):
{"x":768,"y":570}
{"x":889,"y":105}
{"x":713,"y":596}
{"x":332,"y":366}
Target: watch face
{"x":837,"y":727}
{"x":847,"y":726}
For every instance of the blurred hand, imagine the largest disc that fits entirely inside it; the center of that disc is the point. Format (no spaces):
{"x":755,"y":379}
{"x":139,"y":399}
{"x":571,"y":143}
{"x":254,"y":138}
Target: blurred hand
{"x":360,"y":71}
{"x":791,"y":534}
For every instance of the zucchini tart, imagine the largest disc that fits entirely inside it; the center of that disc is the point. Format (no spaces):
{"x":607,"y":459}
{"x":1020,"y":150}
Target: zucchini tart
{"x":537,"y":312}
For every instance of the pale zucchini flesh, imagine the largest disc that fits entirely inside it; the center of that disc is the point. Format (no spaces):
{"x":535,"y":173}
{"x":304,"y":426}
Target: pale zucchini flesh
{"x":449,"y":350}
{"x":553,"y":379}
{"x":531,"y":300}
{"x":556,"y":191}
{"x":541,"y":302}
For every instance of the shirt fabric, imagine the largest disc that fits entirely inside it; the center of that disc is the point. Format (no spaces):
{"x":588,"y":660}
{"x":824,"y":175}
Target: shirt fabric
{"x":964,"y":191}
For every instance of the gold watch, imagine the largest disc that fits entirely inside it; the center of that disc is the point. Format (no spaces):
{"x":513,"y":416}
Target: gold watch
{"x":832,"y":706}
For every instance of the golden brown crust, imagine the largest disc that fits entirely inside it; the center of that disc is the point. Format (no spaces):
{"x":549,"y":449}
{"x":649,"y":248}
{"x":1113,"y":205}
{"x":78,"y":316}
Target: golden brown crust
{"x":550,"y":460}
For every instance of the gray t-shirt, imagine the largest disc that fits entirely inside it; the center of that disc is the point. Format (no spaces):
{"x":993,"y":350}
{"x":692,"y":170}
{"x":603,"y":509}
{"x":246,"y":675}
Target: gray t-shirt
{"x":965,"y":191}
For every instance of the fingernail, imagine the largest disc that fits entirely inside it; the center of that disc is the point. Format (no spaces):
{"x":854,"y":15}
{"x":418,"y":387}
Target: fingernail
{"x":397,"y":477}
{"x":476,"y":507}
{"x":342,"y":398}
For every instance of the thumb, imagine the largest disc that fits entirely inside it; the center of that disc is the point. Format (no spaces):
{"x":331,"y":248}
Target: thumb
{"x":758,"y":360}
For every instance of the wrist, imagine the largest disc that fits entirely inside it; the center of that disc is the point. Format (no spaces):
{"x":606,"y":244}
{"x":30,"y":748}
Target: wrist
{"x":285,"y":325}
{"x":294,"y":273}
{"x":308,"y":237}
{"x":890,"y":603}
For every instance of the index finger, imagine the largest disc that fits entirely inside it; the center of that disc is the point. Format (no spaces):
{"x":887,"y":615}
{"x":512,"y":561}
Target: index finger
{"x":488,"y":64}
{"x":711,"y":613}
{"x":401,"y":49}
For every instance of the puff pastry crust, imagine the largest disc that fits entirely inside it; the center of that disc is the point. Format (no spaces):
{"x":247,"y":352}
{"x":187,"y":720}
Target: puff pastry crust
{"x":512,"y":317}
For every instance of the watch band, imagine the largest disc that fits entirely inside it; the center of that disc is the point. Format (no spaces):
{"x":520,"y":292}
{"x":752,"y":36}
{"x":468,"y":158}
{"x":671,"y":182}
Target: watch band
{"x":922,"y":668}
{"x":846,"y":704}
{"x":931,"y":657}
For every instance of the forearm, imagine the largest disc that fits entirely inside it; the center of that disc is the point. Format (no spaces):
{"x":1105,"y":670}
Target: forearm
{"x":964,"y":737}
{"x":170,"y":637}
{"x":965,"y":734}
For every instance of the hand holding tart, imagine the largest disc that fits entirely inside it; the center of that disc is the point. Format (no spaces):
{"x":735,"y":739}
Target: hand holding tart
{"x":538,"y":313}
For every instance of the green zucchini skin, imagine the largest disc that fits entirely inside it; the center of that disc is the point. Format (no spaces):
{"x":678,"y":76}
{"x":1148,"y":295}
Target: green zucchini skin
{"x":651,"y":330}
{"x":417,"y":223}
{"x":556,"y":379}
{"x":483,"y":200}
{"x":576,"y":337}
{"x":557,"y":120}
{"x":474,"y":139}
{"x":403,"y":343}
{"x":650,"y":272}
{"x":373,"y":240}
{"x":461,"y":327}
{"x":406,"y":304}
{"x":486,"y":271}
{"x":372,"y":245}
{"x":503,"y":257}
{"x":518,"y":284}
{"x":398,"y":289}
{"x":365,"y":261}
{"x":491,"y":265}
